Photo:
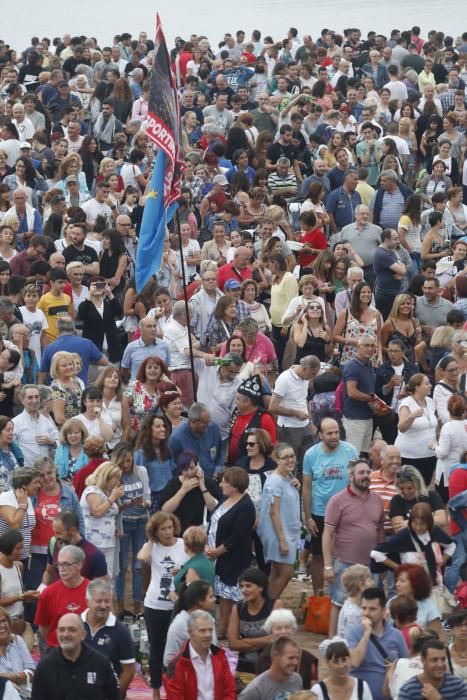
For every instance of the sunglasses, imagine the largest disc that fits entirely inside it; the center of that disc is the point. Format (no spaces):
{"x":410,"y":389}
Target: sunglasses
{"x":251,"y":444}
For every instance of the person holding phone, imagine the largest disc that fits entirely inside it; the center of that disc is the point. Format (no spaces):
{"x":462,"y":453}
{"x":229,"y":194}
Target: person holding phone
{"x":98,"y":314}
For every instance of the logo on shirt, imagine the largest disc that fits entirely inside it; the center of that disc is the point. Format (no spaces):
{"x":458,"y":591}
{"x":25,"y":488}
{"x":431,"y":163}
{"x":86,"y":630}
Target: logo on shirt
{"x":333,"y":472}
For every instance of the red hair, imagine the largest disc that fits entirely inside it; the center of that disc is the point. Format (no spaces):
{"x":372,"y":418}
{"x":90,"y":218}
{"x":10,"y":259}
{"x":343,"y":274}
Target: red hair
{"x":418,"y":578}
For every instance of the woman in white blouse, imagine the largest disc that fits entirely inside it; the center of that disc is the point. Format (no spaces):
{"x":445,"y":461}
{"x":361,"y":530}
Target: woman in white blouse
{"x":452,"y":439}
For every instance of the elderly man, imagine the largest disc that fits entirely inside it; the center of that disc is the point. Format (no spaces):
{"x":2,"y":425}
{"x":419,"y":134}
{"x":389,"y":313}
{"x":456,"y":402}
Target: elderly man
{"x":359,"y":390}
{"x":73,"y":670}
{"x":239,"y":268}
{"x":69,"y":593}
{"x":203,"y":303}
{"x":176,"y":336}
{"x":388,"y":201}
{"x":34,"y":433}
{"x":28,"y":217}
{"x":290,"y":403}
{"x":68,"y":341}
{"x":24,"y":126}
{"x":106,"y":634}
{"x":364,"y":238}
{"x":342,"y":300}
{"x":201,"y":436}
{"x":201,"y":669}
{"x":145,"y":346}
{"x":283,"y":182}
{"x":218,"y":388}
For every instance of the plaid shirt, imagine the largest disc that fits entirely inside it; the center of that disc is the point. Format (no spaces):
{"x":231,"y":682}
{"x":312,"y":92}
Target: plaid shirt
{"x":447,"y":100}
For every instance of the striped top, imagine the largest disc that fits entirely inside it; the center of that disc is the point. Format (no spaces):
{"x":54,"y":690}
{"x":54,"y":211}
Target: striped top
{"x":8,"y":498}
{"x":453,"y":688}
{"x":385,"y":490}
{"x":17,"y":657}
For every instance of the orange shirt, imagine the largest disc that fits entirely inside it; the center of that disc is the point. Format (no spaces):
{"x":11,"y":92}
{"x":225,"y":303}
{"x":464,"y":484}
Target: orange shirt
{"x":385,"y":490}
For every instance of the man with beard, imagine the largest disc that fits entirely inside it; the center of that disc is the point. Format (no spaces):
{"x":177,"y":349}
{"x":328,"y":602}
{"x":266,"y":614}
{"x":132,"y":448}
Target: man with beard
{"x":353,"y":526}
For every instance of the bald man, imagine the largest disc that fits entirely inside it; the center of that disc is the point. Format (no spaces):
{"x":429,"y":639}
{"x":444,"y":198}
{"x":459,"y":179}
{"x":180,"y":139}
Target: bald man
{"x":239,"y":269}
{"x":73,"y":670}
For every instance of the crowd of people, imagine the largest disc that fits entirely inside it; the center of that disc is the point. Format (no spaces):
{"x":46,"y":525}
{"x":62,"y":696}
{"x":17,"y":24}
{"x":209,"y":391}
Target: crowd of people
{"x":284,"y":398}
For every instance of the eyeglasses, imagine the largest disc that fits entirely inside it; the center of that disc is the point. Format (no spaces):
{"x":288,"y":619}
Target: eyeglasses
{"x":251,"y":444}
{"x":288,"y":457}
{"x":66,"y":564}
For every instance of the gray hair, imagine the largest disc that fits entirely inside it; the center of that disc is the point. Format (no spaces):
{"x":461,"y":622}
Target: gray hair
{"x":7,"y":304}
{"x":22,"y":477}
{"x":45,"y":393}
{"x":75,"y":553}
{"x":44,"y":462}
{"x":27,"y":387}
{"x":15,"y":328}
{"x":178,"y":309}
{"x":211,"y":129}
{"x":363,"y":339}
{"x":354,"y":271}
{"x":98,"y":585}
{"x":248,"y":325}
{"x":389,"y":173}
{"x":282,"y":616}
{"x":359,"y":208}
{"x":310,"y":362}
{"x":196,"y":616}
{"x":65,"y":324}
{"x":234,"y":358}
{"x":196,"y":410}
{"x":283,"y":161}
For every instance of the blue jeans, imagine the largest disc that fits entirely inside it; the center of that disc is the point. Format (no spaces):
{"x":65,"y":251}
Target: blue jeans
{"x":451,"y":576}
{"x":134,"y":534}
{"x":416,"y":263}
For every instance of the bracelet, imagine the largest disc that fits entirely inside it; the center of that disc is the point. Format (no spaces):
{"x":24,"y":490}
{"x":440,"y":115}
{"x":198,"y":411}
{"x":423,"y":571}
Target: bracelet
{"x":21,"y":507}
{"x":205,"y":491}
{"x":328,"y":568}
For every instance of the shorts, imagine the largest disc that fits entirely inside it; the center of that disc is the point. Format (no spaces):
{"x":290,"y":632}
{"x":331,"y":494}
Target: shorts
{"x":337,"y":591}
{"x":315,"y":542}
{"x":359,"y":432}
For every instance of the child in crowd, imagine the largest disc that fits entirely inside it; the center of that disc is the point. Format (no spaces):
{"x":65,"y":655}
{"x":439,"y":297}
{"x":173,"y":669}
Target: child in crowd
{"x":354,"y":579}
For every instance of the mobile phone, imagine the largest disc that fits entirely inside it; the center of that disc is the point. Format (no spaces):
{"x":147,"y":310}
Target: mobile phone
{"x":100,"y":285}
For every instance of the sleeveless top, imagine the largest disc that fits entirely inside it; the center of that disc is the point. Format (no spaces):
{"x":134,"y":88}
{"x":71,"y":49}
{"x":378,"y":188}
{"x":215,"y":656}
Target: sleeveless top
{"x":252,"y":626}
{"x":313,"y":346}
{"x":11,"y":585}
{"x":409,"y":342}
{"x":354,"y":330}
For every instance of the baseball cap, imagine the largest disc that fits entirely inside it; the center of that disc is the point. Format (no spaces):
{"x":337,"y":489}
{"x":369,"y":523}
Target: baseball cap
{"x":24,"y":144}
{"x":232,"y":284}
{"x":71,"y":178}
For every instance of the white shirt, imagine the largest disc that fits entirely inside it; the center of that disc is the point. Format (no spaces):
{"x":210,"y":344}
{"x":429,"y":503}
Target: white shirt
{"x":204,"y":674}
{"x":398,"y":90}
{"x":25,"y":129}
{"x":36,"y":323}
{"x":292,"y":392}
{"x":129,"y":173}
{"x":92,"y":208}
{"x":92,"y":426}
{"x":27,"y":429}
{"x":401,"y":144}
{"x":191,"y":249}
{"x":218,"y":396}
{"x":74,"y":146}
{"x":177,"y":336}
{"x":295,"y":303}
{"x":421,"y":433}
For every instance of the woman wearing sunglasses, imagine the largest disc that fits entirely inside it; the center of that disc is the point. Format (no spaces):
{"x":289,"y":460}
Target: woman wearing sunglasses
{"x":311,"y":333}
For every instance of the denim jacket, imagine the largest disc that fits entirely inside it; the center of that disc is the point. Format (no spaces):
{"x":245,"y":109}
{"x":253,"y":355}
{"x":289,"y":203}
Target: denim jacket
{"x":68,"y":501}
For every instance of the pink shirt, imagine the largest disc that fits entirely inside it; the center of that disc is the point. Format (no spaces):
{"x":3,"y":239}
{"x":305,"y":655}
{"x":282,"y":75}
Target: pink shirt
{"x":358,"y":524}
{"x":263,"y":348}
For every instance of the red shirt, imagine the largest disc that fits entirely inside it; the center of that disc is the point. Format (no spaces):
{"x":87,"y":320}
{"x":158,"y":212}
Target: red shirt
{"x":46,"y":509}
{"x":229,"y":271}
{"x":57,"y":600}
{"x":239,"y":427}
{"x":316,"y":239}
{"x":79,"y":479}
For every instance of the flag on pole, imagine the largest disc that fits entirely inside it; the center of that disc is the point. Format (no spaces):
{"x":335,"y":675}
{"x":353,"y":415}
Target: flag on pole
{"x":163,"y":129}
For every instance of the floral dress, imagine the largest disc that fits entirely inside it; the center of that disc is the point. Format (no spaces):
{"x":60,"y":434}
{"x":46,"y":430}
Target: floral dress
{"x":71,"y":395}
{"x":355,"y":329}
{"x":142,"y":403}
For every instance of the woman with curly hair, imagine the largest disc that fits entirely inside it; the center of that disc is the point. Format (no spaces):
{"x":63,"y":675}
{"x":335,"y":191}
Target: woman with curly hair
{"x":71,"y":165}
{"x":152,"y":452}
{"x":121,"y":99}
{"x":142,"y":396}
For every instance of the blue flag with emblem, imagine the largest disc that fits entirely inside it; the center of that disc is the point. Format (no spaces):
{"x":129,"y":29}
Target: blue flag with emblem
{"x":163,"y":129}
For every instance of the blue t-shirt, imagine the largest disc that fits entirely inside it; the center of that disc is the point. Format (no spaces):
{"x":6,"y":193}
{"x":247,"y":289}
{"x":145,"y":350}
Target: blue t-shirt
{"x":328,"y":471}
{"x":72,"y":343}
{"x":342,"y":206}
{"x":386,"y":283}
{"x":159,"y":473}
{"x":373,"y":668}
{"x":362,"y":373}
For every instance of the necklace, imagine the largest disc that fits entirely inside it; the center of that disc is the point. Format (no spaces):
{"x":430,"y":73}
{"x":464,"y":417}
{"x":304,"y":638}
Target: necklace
{"x":461,"y":656}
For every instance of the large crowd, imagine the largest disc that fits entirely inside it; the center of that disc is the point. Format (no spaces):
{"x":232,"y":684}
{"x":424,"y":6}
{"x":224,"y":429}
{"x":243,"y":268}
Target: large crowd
{"x":284,"y":399}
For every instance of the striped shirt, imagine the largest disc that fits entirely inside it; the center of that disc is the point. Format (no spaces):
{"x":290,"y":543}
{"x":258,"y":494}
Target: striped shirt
{"x":453,"y":688}
{"x":279,"y":182}
{"x":385,"y":490}
{"x":16,"y":658}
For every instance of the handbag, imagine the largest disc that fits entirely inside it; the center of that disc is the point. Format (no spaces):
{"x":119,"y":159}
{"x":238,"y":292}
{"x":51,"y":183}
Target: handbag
{"x":336,"y":360}
{"x":443,"y":599}
{"x":318,"y":613}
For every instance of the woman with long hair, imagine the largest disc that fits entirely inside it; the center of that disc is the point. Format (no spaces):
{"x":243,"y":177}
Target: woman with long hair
{"x":121,"y":99}
{"x":314,"y":201}
{"x":249,"y":294}
{"x":447,"y":386}
{"x":263,"y":142}
{"x":5,"y":274}
{"x":402,"y":324}
{"x":311,"y":333}
{"x":284,"y":288}
{"x":110,"y":384}
{"x":152,"y":452}
{"x":224,"y":323}
{"x":91,"y":158}
{"x":360,"y":319}
{"x":133,"y":505}
{"x":113,"y":261}
{"x":409,"y":229}
{"x":434,"y":246}
{"x":25,"y":176}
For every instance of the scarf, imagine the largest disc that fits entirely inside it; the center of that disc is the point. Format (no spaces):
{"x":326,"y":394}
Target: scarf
{"x":104,"y":129}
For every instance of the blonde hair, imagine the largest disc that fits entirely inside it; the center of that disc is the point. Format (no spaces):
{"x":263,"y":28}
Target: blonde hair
{"x":104,"y":162}
{"x":10,"y":219}
{"x":275,"y":213}
{"x":442,"y":337}
{"x":62,"y":169}
{"x":405,"y":123}
{"x":58,"y":357}
{"x":107,"y":372}
{"x":73,"y":265}
{"x":72,"y":424}
{"x":400,"y":299}
{"x":353,"y":577}
{"x":106,"y":471}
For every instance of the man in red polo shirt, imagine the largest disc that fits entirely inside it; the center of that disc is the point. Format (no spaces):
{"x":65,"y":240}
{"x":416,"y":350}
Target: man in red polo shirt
{"x":239,"y":268}
{"x":249,"y":415}
{"x":65,"y":596}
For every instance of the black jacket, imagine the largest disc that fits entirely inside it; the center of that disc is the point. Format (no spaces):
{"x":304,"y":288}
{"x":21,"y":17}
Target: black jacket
{"x":94,"y":326}
{"x":234,"y":531}
{"x":90,"y":677}
{"x":384,"y":374}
